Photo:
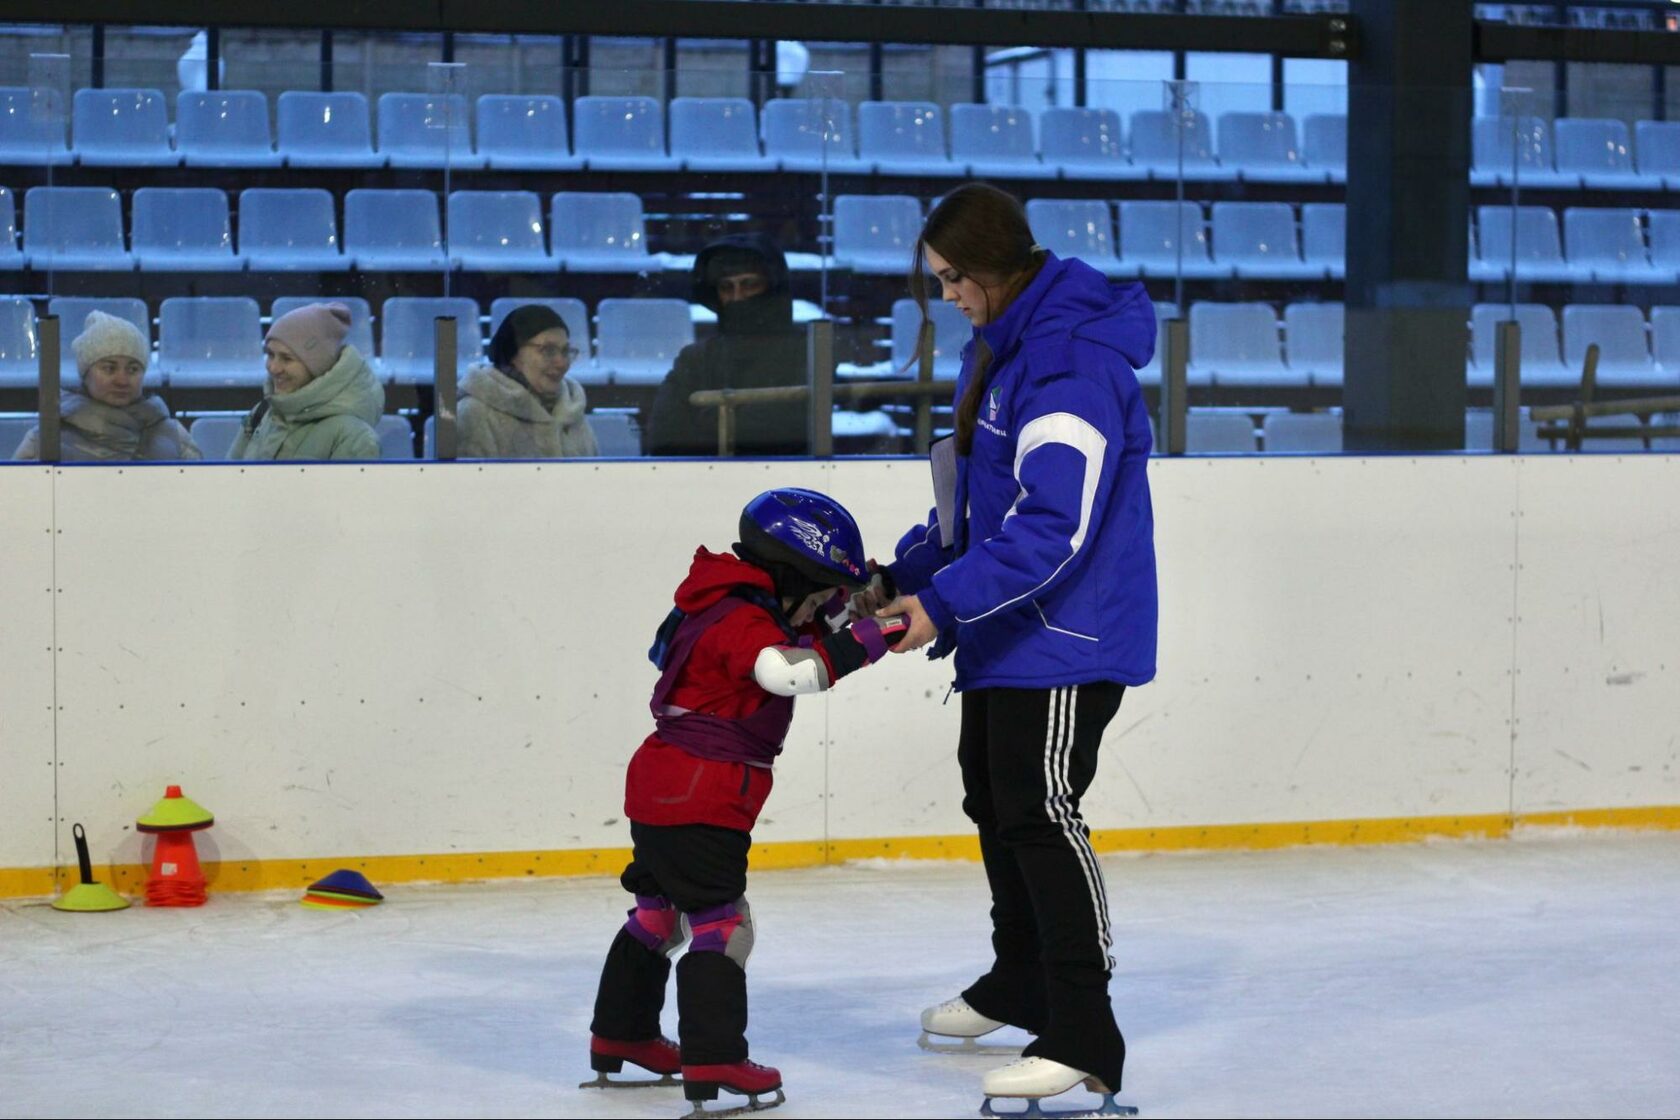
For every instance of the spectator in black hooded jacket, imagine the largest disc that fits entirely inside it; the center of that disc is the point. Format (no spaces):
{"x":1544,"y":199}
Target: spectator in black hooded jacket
{"x":744,"y":279}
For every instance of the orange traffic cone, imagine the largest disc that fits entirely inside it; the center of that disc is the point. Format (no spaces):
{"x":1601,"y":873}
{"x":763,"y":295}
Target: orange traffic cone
{"x":176,"y":879}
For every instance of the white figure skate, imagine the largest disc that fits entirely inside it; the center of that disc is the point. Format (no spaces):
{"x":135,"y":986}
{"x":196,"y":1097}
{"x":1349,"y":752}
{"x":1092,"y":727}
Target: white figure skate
{"x":1033,"y":1079}
{"x":953,"y":1027}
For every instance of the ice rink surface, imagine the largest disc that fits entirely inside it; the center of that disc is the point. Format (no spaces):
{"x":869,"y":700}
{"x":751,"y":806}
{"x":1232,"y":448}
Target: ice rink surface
{"x":1539,"y":976}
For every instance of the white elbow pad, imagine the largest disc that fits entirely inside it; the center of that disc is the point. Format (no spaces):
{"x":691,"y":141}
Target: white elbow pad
{"x":786,"y":671}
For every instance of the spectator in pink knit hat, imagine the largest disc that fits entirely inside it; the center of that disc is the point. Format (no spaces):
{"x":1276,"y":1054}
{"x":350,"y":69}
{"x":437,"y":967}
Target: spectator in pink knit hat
{"x":322,"y":399}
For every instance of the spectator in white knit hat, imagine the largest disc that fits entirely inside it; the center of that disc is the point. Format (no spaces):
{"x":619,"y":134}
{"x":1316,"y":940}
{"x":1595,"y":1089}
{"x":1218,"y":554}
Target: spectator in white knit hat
{"x":107,"y":415}
{"x":322,"y":400}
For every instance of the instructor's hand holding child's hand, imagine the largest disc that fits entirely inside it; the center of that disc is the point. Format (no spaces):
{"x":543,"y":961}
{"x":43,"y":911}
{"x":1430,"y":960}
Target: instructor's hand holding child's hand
{"x":921,"y":630}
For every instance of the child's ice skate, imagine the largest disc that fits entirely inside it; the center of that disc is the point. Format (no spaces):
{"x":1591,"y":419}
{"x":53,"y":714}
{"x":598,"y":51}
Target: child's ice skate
{"x":656,"y":1055}
{"x":749,"y":1079}
{"x":1033,"y":1079}
{"x":953,"y":1027}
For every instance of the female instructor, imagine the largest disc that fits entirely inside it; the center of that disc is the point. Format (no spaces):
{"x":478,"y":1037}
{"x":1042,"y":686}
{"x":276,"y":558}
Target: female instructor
{"x":1045,"y":586}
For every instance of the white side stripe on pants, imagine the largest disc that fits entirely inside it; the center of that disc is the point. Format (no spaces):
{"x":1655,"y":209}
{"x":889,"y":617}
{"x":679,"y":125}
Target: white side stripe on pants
{"x":1058,"y":786}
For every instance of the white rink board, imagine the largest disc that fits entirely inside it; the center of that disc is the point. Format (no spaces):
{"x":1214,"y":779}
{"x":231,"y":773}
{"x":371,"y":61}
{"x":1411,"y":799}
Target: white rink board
{"x":26,"y":696}
{"x":405,"y":659}
{"x":1598,"y":645}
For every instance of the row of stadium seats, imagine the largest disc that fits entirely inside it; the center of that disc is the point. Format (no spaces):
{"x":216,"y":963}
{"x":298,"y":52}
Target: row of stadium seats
{"x":190,"y":229}
{"x":129,"y":127}
{"x":217,"y":341}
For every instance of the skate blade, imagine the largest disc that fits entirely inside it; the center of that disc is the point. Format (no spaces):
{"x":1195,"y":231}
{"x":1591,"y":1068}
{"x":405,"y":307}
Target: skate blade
{"x":602,"y":1081}
{"x":958,"y":1045}
{"x":1036,"y":1111}
{"x":754,"y":1104}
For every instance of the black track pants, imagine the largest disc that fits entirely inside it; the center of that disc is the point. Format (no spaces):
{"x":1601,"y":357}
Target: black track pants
{"x":1027,"y":756}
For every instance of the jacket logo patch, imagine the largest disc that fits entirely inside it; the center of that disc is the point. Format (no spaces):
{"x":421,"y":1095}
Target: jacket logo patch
{"x":993,"y":402}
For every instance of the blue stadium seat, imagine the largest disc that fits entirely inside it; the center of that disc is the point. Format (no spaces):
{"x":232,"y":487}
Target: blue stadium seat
{"x":361,"y":318}
{"x":10,"y":255}
{"x":289,"y":230}
{"x":122,"y":128}
{"x":1302,"y":433}
{"x":1324,"y":237}
{"x":426,"y":130}
{"x":497,"y":231}
{"x":1324,"y":144}
{"x":1085,"y":144}
{"x":996,"y":142}
{"x":224,"y":128}
{"x":599,"y":232}
{"x":1257,"y":239}
{"x":1601,"y":153}
{"x":1217,"y":432}
{"x":622,"y":134}
{"x":1658,"y":144}
{"x":19,"y":357}
{"x":1237,"y":344}
{"x":1541,"y":367}
{"x":393,"y":230}
{"x":214,"y":434}
{"x":951,"y":332}
{"x":1539,"y":249}
{"x":32,"y":128}
{"x":407,"y":330}
{"x":1492,"y":142}
{"x":903,"y":138}
{"x":571,"y":310}
{"x":1611,"y":243}
{"x":638,"y":339}
{"x":72,"y":228}
{"x":811,"y":134}
{"x":13,"y":430}
{"x":716,"y":134}
{"x":1082,"y":228}
{"x":1154,"y":138}
{"x":1150,"y":374}
{"x":211,"y":341}
{"x":326,"y":130}
{"x":1664,"y":235}
{"x":1314,"y":340}
{"x":1262,"y":147}
{"x":396,"y":438}
{"x":876,"y":233}
{"x":183,"y":229}
{"x":1624,"y":357}
{"x":517,"y":133}
{"x":72,"y":312}
{"x":617,"y":434}
{"x":1149,"y":236}
{"x":1665,"y":346}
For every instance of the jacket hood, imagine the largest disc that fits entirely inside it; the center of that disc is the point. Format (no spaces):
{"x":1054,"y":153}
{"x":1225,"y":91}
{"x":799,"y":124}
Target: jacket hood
{"x":347,"y":387}
{"x":758,"y":244}
{"x":713,"y":574}
{"x":1069,"y":298}
{"x":497,"y":390}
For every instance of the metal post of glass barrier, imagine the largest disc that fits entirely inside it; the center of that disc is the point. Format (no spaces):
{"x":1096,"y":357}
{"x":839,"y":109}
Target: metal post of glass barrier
{"x":46,"y":328}
{"x":924,"y":375}
{"x":819,"y":353}
{"x":1507,"y":384}
{"x":443,"y":382}
{"x":1175,"y":397}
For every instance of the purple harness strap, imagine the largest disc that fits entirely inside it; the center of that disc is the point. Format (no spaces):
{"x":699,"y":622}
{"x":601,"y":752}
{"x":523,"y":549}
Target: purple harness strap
{"x":755,"y":740}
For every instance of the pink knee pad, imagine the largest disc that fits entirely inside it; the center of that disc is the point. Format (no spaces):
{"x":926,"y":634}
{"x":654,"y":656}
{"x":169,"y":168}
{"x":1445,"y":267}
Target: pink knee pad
{"x":654,"y":923}
{"x":726,"y":929}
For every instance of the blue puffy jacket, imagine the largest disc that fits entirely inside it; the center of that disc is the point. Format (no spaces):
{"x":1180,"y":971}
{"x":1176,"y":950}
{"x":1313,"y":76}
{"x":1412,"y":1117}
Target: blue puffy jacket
{"x":1050,"y":580}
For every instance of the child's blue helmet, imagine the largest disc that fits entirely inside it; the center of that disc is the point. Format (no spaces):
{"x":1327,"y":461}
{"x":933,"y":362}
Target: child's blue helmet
{"x":808,"y":532}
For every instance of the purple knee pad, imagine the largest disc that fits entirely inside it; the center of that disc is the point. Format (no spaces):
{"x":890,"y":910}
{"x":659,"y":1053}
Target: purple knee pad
{"x":725,"y":929}
{"x":654,"y":923}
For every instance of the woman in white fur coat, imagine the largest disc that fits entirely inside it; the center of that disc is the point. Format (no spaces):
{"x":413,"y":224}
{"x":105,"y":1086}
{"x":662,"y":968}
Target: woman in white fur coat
{"x":522,"y":405}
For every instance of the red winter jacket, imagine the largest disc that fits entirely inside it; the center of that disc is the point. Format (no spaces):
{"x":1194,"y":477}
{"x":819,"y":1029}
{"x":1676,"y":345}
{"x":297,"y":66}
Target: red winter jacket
{"x":665,"y":784}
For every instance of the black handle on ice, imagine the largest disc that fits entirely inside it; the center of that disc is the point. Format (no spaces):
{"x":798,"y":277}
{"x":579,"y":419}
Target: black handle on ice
{"x":80,"y":834}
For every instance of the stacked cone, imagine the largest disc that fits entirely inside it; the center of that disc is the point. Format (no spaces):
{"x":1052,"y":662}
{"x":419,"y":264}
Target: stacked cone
{"x":176,"y":879}
{"x":342,"y":890}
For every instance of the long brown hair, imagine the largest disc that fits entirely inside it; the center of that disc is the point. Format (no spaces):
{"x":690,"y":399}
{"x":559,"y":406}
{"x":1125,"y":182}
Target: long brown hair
{"x":984,"y":233}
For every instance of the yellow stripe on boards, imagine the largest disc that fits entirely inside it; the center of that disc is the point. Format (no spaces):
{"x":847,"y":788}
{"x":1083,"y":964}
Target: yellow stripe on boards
{"x":453,"y":867}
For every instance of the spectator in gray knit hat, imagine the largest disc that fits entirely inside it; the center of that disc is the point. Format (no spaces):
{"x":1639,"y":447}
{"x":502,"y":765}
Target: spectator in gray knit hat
{"x":106,"y":415}
{"x":322,"y":400}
